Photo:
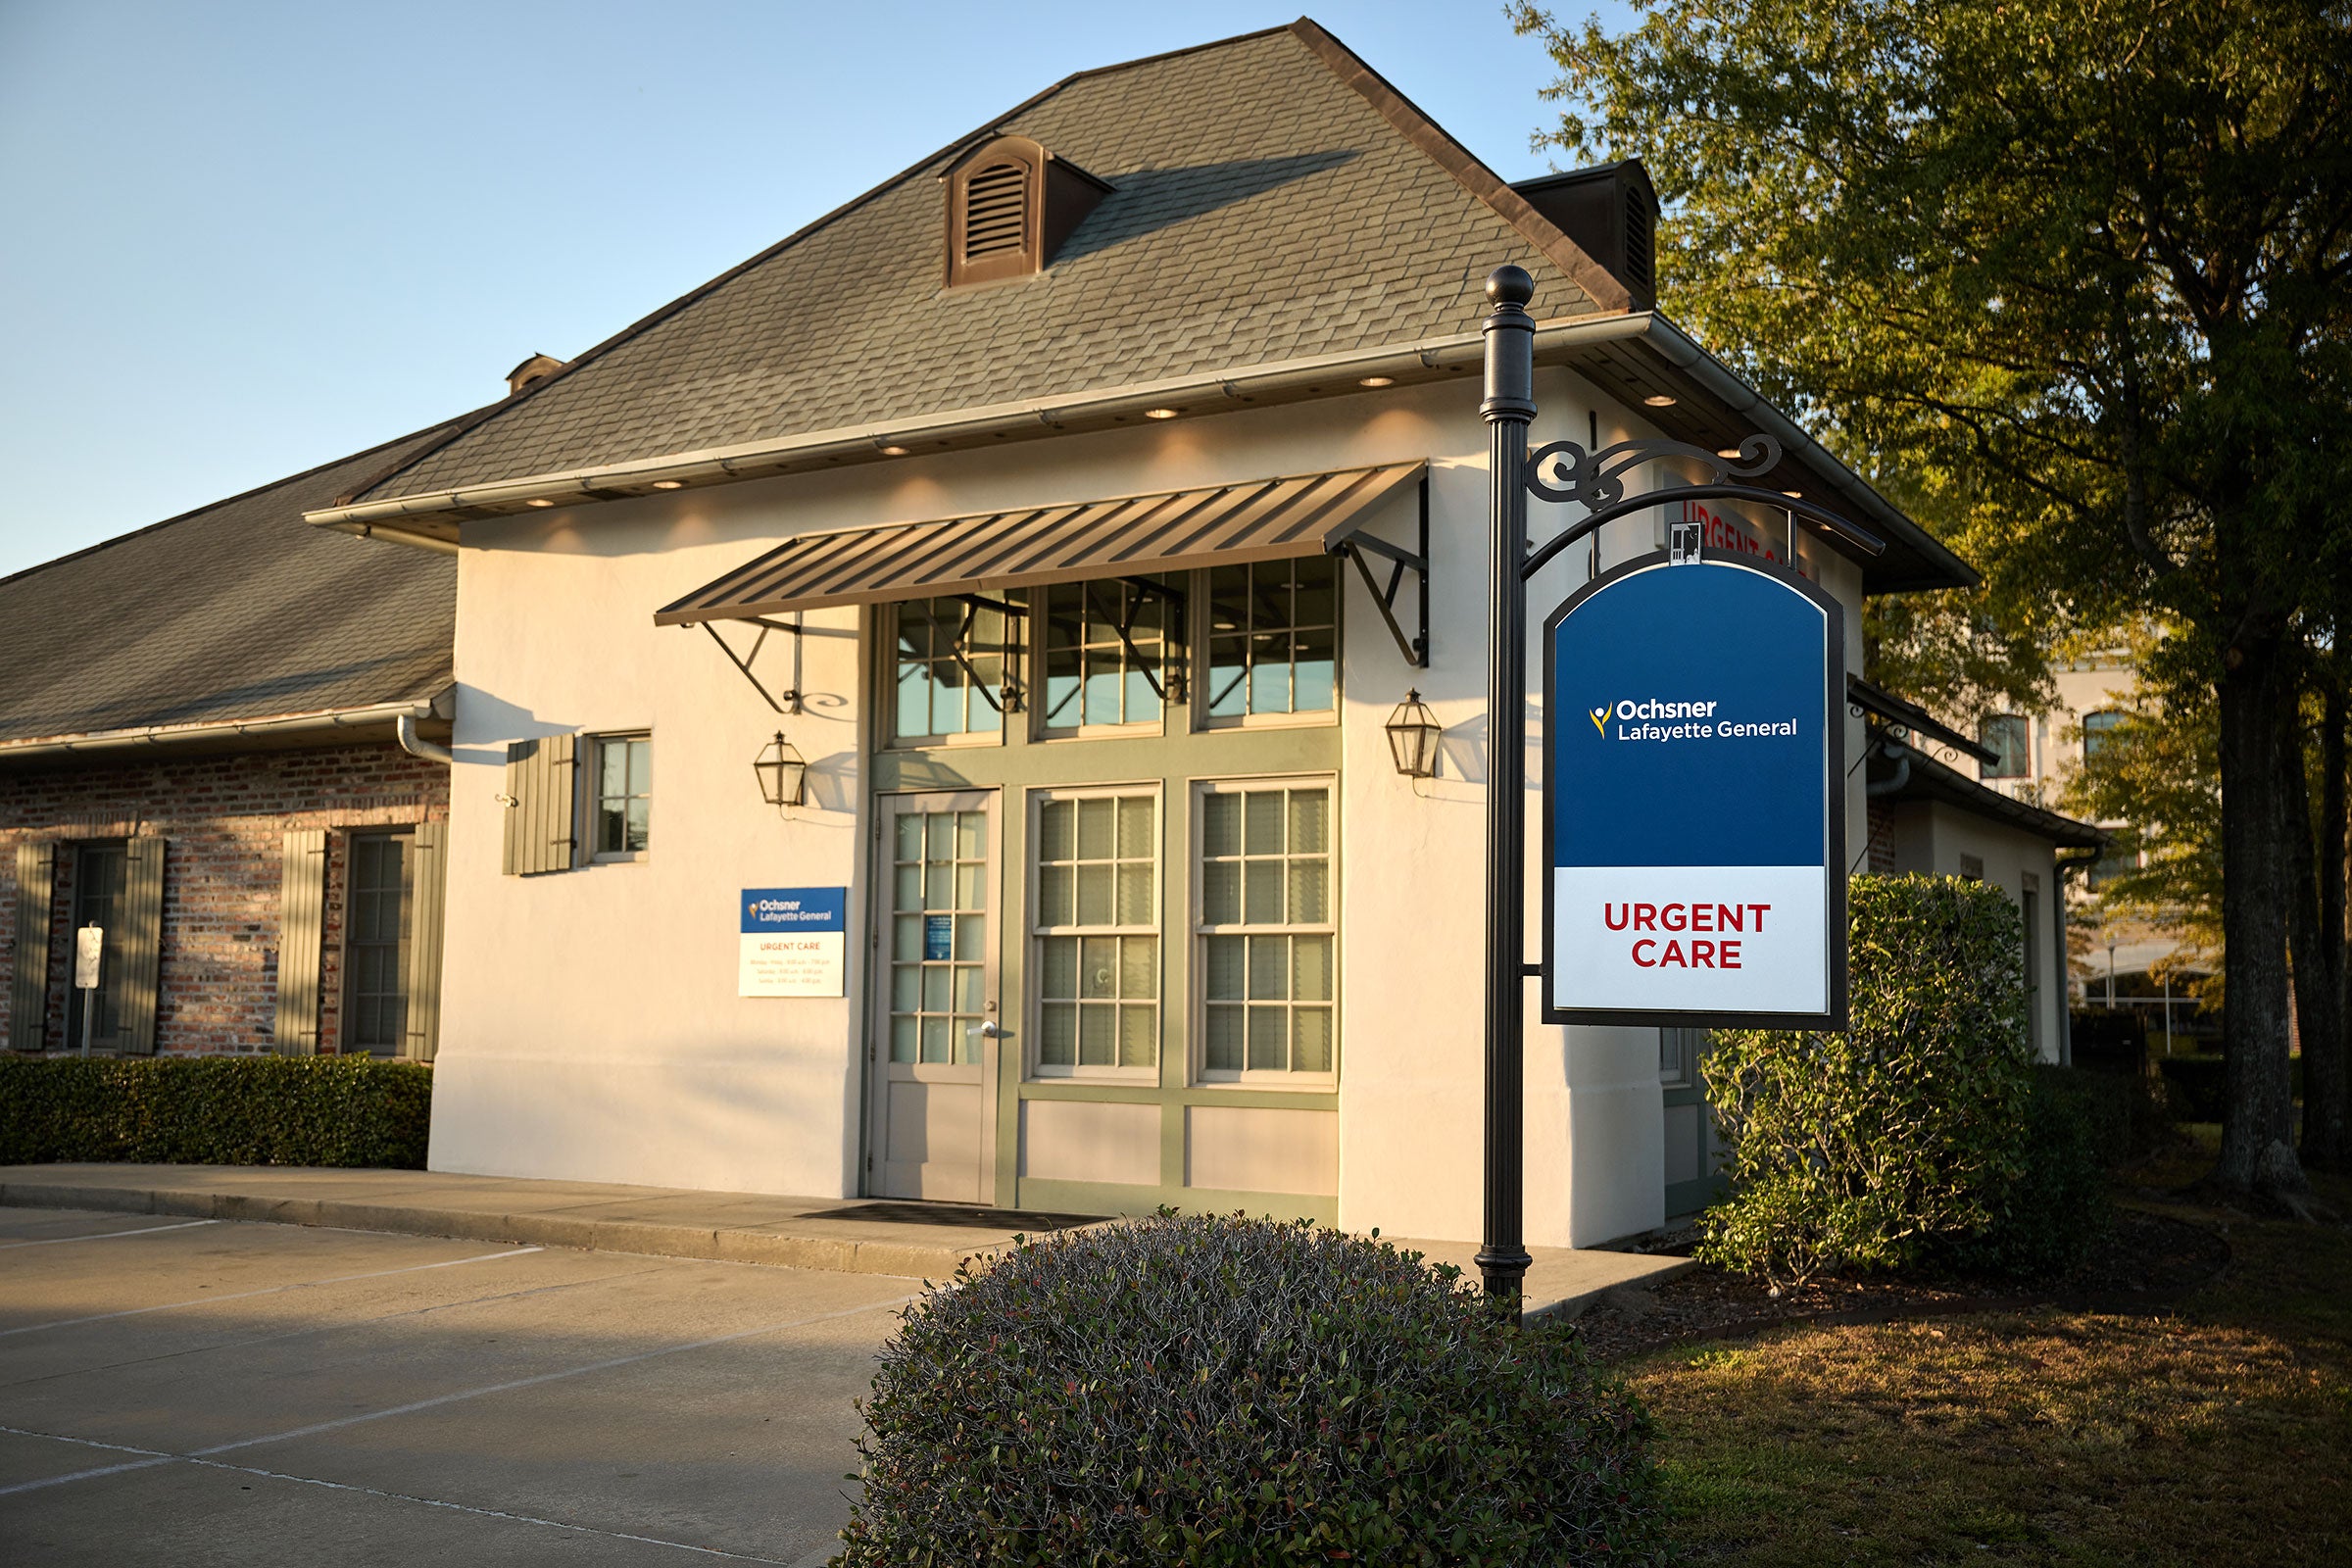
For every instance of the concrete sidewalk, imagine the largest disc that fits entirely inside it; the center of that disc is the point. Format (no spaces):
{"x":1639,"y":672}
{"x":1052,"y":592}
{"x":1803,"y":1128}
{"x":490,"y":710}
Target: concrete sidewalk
{"x":855,"y":1235}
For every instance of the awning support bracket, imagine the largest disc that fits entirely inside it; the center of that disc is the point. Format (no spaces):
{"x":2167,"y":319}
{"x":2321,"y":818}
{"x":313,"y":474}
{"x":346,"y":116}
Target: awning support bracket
{"x":744,"y":661}
{"x":1354,"y":546}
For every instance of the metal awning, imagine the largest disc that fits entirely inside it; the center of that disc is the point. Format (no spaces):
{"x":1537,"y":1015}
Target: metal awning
{"x":1174,"y":530}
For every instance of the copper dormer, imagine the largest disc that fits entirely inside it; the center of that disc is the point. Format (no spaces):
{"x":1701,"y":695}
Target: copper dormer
{"x":1010,"y":204}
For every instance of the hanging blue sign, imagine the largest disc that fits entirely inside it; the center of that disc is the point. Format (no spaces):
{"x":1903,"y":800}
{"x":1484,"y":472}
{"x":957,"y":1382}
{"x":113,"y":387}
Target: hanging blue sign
{"x":1695,"y":798}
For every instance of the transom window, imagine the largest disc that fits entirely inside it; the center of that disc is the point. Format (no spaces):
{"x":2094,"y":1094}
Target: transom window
{"x":1273,"y":639}
{"x":1106,"y":648}
{"x":952,"y":657}
{"x":1266,"y":930}
{"x":624,"y":796}
{"x":1095,"y":927}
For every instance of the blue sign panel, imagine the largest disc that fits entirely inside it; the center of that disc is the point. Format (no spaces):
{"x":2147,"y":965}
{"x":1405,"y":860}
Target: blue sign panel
{"x":939,"y":937}
{"x":771,"y":909}
{"x":1693,"y":797}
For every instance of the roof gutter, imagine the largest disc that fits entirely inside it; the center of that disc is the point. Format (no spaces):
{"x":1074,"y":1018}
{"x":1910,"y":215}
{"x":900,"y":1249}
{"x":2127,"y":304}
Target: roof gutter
{"x":326,"y":723}
{"x":1556,"y":342}
{"x":1463,"y":351}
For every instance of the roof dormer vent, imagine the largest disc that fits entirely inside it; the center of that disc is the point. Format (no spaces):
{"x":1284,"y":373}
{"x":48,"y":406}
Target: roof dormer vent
{"x":538,"y":368}
{"x":1611,"y":213}
{"x":1010,"y":205}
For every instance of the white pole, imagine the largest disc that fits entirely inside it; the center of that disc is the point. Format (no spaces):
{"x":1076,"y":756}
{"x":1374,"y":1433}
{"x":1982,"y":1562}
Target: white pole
{"x":2168,"y":1012}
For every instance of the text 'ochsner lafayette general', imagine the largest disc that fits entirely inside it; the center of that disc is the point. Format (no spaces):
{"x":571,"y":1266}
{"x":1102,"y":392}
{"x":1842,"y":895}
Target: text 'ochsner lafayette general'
{"x":1639,"y":721}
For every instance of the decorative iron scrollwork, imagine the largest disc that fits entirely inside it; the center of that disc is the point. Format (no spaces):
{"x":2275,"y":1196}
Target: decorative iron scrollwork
{"x":1596,"y":480}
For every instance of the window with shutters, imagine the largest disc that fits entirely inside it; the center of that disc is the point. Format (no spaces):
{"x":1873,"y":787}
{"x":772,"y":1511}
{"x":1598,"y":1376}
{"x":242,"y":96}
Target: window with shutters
{"x":622,"y":826}
{"x":375,"y":994}
{"x":101,"y":879}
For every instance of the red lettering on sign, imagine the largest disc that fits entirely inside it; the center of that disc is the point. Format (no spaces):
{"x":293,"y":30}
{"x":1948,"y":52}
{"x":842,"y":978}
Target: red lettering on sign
{"x":1757,"y":909}
{"x":1646,"y":917}
{"x":1702,"y":954}
{"x":1728,"y":955}
{"x":1700,"y":921}
{"x":1616,"y":915}
{"x":1646,"y":964}
{"x":1672,"y":918}
{"x":1727,"y":917}
{"x":1674,"y":954}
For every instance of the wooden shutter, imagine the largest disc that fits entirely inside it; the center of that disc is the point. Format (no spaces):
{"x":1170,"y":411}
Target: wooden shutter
{"x":143,"y":949}
{"x":301,"y":940}
{"x":540,"y":809}
{"x":28,"y":980}
{"x":429,"y":878}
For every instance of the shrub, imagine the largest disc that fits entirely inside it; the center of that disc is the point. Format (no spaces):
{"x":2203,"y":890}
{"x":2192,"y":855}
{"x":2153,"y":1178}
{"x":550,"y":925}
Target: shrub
{"x":2194,"y":1085}
{"x":2043,"y":1221}
{"x":217,"y":1110}
{"x":1876,"y":1148}
{"x":1211,"y":1391}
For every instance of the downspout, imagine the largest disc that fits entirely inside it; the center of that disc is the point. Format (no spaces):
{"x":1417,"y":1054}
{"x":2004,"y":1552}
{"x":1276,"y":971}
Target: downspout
{"x":404,"y":729}
{"x":1898,"y":753}
{"x":2061,"y":866}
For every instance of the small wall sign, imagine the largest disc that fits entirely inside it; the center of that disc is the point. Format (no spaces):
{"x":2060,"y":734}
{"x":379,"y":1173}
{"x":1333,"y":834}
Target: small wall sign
{"x":794,"y":942}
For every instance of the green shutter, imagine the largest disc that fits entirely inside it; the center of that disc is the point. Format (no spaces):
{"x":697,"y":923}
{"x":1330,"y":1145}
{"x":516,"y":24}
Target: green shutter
{"x":428,"y":881}
{"x":539,"y":805}
{"x":143,"y":949}
{"x":301,"y":940}
{"x":28,"y":980}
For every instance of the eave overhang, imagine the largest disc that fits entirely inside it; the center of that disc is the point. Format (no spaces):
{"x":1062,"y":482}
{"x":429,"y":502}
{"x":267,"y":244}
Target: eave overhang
{"x":1633,"y":355}
{"x":372,"y":722}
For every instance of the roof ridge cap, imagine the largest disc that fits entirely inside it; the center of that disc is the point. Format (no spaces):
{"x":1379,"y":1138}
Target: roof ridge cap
{"x":1599,"y":284}
{"x":193,"y":512}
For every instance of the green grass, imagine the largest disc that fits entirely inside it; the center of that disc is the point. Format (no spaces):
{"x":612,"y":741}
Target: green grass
{"x":2218,"y":1434}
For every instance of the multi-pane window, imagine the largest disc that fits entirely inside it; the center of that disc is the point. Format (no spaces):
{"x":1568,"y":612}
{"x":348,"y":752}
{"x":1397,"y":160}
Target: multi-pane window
{"x":949,"y":667}
{"x":1096,"y":932}
{"x":1273,"y":638}
{"x":2004,"y":735}
{"x":101,"y":880}
{"x":1105,"y":648}
{"x":1267,"y":929}
{"x":625,"y":795}
{"x":2097,"y":731}
{"x":939,"y":937}
{"x":375,"y":994}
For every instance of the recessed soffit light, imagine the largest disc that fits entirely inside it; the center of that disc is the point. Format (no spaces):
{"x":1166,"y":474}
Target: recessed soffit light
{"x":1377,"y":380}
{"x":1659,"y":400}
{"x":1161,"y":413}
{"x":893,"y":451}
{"x":669,"y":484}
{"x":539,"y":501}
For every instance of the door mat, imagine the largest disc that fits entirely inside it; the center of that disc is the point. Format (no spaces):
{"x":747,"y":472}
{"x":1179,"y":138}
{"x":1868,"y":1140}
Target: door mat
{"x":962,"y":1215}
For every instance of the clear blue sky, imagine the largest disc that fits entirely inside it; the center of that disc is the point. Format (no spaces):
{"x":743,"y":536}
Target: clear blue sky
{"x":240,"y":238}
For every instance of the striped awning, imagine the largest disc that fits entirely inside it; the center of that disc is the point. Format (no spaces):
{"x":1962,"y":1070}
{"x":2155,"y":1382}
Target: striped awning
{"x":1175,"y":531}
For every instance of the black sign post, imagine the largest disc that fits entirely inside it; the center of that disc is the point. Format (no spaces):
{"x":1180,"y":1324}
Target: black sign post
{"x":1594,"y":480}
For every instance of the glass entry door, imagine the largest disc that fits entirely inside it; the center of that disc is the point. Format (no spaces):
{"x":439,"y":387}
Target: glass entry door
{"x":939,"y":1034}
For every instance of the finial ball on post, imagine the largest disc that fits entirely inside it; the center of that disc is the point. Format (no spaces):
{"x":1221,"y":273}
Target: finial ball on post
{"x":1510,"y":285}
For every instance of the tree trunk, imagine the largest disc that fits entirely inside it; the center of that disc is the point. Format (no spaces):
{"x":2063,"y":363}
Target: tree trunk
{"x":2328,"y":1070}
{"x":2317,"y":1020}
{"x":2257,"y":690}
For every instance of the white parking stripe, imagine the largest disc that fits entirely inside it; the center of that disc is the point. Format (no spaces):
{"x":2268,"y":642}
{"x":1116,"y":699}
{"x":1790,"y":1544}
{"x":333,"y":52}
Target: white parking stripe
{"x":106,"y":1236}
{"x":435,"y":1402}
{"x":274,"y":1289}
{"x":153,"y":1458}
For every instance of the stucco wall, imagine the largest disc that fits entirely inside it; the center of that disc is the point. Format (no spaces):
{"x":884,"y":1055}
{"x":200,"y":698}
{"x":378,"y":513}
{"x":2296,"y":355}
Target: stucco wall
{"x":591,"y":1025}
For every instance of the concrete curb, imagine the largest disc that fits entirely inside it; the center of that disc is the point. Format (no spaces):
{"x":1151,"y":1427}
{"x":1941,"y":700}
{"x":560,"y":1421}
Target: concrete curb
{"x":910,"y":1259}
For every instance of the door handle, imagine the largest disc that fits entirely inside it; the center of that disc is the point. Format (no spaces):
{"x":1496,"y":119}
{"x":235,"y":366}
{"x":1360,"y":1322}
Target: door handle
{"x":990,"y":1030}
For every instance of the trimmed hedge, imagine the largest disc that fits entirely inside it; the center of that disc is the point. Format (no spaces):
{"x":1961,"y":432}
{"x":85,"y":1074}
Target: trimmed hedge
{"x":2044,"y":1220}
{"x":217,"y":1110}
{"x":1884,"y":1145}
{"x":1228,"y":1392}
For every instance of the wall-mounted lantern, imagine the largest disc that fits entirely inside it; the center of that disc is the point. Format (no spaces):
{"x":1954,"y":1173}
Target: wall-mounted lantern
{"x":783,"y":773}
{"x":1413,"y":732}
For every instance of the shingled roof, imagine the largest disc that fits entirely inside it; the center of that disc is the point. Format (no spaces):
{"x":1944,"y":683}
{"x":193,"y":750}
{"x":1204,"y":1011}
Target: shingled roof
{"x":234,"y":613}
{"x":1272,"y":199}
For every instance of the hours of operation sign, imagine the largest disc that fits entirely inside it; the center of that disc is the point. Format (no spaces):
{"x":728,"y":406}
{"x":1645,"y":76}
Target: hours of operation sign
{"x":793,"y":942}
{"x":1693,"y":799}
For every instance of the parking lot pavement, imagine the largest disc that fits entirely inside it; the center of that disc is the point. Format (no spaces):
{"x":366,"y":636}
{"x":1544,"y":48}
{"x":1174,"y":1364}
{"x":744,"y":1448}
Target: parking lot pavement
{"x":208,"y":1392}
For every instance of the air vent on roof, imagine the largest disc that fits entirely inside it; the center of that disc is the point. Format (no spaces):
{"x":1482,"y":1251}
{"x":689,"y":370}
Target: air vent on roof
{"x":1010,"y":204}
{"x":1611,"y":213}
{"x":538,"y":368}
{"x":996,"y":211}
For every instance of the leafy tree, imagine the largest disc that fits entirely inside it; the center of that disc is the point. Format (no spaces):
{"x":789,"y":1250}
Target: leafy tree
{"x":2077,"y":270}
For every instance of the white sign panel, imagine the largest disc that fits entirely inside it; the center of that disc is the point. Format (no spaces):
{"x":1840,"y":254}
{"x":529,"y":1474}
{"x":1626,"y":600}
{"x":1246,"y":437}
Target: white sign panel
{"x":89,"y":944}
{"x":794,"y":942}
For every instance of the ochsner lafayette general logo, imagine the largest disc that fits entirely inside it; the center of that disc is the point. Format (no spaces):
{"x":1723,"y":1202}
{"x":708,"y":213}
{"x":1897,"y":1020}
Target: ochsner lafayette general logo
{"x":1629,"y":710}
{"x":1655,"y":719}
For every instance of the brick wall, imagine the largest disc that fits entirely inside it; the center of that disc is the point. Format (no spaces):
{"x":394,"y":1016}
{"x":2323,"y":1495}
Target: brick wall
{"x":221,"y":818}
{"x":1882,"y":838}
